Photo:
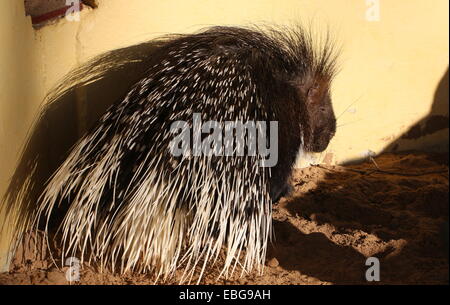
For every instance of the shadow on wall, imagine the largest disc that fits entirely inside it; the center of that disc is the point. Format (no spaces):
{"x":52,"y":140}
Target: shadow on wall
{"x":436,"y":121}
{"x":71,"y":109}
{"x":430,"y":134}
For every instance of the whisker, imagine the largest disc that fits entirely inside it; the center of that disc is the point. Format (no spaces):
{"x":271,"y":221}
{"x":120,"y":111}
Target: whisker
{"x":349,"y":123}
{"x":348,"y":107}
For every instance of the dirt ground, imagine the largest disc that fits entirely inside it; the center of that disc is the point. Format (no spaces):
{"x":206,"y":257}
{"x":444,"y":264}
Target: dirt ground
{"x":324,"y":232}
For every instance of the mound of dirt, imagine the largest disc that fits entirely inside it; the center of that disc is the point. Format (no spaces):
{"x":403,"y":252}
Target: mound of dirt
{"x":394,"y":208}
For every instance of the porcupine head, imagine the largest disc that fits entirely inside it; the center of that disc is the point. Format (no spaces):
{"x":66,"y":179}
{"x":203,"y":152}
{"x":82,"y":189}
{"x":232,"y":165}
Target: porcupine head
{"x":307,"y":122}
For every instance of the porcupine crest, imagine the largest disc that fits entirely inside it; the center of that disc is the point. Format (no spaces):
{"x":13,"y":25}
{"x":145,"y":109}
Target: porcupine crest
{"x":131,"y":205}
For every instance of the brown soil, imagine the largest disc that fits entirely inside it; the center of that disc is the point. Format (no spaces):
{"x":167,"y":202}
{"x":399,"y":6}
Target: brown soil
{"x":336,"y":218}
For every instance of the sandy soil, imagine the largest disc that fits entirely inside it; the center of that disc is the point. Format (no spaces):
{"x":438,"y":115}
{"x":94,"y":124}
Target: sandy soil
{"x":336,"y":218}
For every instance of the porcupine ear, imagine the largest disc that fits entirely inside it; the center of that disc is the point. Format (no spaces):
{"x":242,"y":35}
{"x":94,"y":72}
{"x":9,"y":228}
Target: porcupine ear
{"x":309,"y":88}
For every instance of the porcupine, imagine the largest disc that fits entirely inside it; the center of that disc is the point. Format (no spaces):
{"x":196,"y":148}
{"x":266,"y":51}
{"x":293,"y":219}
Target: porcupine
{"x":131,"y":205}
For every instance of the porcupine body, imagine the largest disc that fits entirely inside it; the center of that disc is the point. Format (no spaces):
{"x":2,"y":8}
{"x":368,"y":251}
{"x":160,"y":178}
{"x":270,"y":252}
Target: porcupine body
{"x":132,"y":205}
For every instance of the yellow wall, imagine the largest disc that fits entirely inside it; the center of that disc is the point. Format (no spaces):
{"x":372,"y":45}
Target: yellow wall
{"x":391,"y":68}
